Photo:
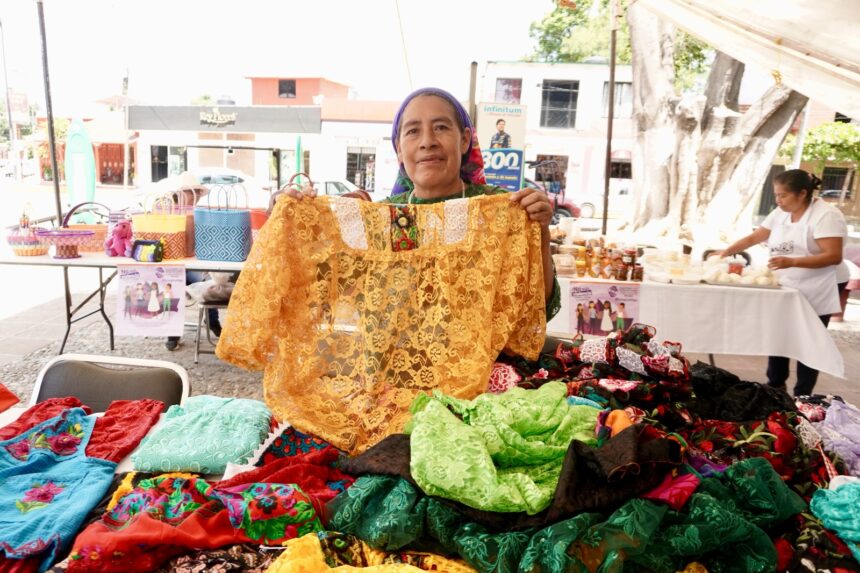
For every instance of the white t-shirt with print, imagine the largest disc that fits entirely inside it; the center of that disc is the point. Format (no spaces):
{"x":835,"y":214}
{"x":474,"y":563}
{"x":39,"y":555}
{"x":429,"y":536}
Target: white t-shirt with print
{"x":825,"y":221}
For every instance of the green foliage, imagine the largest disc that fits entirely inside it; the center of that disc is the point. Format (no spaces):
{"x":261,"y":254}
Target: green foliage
{"x":551,"y":32}
{"x":833,"y":141}
{"x":566,"y":35}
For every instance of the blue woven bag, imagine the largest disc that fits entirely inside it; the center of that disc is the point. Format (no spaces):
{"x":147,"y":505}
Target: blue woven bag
{"x":222,"y":233}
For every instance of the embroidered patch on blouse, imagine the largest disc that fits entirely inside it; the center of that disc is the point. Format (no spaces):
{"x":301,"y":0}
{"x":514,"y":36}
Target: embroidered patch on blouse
{"x":404,"y":232}
{"x":456,"y":220}
{"x":348,"y":213}
{"x":38,"y":496}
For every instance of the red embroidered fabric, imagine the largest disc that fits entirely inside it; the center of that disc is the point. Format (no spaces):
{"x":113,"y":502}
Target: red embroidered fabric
{"x":122,"y":427}
{"x":37,"y":414}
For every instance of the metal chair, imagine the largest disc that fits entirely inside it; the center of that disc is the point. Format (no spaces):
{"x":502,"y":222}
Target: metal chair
{"x":87,"y":378}
{"x":203,"y":318}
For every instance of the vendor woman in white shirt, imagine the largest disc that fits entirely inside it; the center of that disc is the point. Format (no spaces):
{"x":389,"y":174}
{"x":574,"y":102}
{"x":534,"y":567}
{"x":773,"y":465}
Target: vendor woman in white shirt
{"x":805,"y":236}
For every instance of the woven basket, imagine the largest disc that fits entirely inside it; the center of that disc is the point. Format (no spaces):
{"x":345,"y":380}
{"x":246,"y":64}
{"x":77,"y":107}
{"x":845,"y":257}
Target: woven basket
{"x":174,"y":243}
{"x":222,"y":233}
{"x":96,"y":242}
{"x":66,"y":242}
{"x":26,"y":245}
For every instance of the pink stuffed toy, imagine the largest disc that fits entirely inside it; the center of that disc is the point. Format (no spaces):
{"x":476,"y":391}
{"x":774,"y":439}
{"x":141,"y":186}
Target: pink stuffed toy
{"x":118,"y":244}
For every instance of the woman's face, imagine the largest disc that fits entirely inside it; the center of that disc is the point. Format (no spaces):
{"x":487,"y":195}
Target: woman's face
{"x":788,"y":201}
{"x":430,"y":144}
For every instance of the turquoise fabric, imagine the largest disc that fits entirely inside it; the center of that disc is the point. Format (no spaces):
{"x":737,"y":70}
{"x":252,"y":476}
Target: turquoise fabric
{"x":498,"y":452}
{"x":839,"y":510}
{"x":204,"y":435}
{"x":48,"y":485}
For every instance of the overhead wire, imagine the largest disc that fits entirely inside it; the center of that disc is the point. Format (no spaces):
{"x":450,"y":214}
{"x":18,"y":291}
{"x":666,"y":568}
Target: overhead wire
{"x":403,"y":43}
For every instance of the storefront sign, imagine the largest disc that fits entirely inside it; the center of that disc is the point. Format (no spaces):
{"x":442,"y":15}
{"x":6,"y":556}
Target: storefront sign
{"x":217,"y":118}
{"x":241,"y":119}
{"x":599,"y":308}
{"x":504,"y":167}
{"x":150,"y":300}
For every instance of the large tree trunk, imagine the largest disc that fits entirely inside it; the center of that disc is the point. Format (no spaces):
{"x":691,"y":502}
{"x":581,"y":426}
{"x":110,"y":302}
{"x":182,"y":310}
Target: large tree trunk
{"x":698,"y":162}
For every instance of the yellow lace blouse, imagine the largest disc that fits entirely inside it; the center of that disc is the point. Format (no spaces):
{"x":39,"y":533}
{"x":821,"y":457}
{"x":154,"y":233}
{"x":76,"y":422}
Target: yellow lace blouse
{"x":353,"y":308}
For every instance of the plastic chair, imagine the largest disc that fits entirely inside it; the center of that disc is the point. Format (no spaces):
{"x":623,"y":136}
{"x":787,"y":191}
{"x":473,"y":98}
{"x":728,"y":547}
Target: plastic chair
{"x":87,"y":378}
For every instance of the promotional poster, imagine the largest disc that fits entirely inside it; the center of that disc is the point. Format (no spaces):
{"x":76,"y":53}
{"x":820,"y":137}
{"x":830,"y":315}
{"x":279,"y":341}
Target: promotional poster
{"x":501,"y":126}
{"x":602,"y":308}
{"x":504,"y":167}
{"x":150,"y":300}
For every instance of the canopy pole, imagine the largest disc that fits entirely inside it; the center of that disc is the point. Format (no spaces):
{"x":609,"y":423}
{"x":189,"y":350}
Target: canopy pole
{"x":52,"y":148}
{"x":613,"y":24}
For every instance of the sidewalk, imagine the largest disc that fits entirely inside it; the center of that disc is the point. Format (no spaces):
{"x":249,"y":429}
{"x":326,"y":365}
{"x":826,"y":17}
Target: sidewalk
{"x":33,"y":337}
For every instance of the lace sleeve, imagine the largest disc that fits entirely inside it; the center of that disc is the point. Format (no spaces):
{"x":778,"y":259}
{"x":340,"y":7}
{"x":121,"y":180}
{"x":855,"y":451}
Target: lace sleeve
{"x":250,"y":335}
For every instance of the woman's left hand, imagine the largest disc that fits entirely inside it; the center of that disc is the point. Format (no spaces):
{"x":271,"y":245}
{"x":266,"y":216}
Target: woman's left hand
{"x":776,"y":263}
{"x":536,"y":204}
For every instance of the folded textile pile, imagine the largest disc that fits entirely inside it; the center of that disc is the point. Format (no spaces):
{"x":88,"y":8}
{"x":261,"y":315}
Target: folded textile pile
{"x":204,"y":435}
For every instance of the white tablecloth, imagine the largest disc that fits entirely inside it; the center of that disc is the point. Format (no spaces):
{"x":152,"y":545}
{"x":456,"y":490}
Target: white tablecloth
{"x":729,"y":320}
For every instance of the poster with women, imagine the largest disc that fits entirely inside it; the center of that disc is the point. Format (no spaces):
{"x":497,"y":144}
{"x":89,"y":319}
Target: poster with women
{"x":150,"y":300}
{"x":601,"y":308}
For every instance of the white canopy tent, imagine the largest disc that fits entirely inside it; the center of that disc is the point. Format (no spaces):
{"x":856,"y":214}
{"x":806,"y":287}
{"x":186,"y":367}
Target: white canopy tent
{"x":813,"y":46}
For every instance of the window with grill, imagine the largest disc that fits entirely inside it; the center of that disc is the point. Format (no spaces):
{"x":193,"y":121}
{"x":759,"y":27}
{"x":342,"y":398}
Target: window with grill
{"x":508,"y":90}
{"x":620,"y":170}
{"x":287,"y":89}
{"x":623,"y":99}
{"x":558,"y":104}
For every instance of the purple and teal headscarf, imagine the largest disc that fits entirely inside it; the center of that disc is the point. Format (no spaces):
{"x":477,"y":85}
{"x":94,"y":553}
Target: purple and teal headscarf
{"x":472,"y":164}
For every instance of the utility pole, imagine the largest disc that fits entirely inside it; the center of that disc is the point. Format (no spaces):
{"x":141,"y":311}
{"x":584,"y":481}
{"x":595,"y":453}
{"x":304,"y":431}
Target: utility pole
{"x":13,"y":136}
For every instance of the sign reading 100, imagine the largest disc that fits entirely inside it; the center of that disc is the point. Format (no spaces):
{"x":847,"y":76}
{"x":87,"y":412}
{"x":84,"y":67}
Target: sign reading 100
{"x":498,"y":159}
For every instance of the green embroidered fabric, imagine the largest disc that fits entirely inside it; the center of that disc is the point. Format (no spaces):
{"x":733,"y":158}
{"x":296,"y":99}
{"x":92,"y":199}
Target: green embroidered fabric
{"x":722,"y":527}
{"x":497,"y":452}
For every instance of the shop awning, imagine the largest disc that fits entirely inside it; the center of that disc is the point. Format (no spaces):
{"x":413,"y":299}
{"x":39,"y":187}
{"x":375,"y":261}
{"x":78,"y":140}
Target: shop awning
{"x":814,"y":46}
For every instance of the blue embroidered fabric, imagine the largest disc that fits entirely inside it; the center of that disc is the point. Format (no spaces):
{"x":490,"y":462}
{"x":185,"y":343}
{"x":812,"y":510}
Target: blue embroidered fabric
{"x":48,"y":485}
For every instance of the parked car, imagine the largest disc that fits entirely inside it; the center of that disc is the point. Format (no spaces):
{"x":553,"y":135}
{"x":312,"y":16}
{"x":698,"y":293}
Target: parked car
{"x":341,"y":186}
{"x":834,"y":194}
{"x":563,"y":206}
{"x":222,"y":183}
{"x":591,"y":204}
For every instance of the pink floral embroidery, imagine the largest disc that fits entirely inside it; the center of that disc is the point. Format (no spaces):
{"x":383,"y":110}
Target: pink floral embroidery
{"x":623,"y":385}
{"x":19,"y":450}
{"x":38,"y":496}
{"x":62,"y":439}
{"x":541,"y":374}
{"x":64,"y":444}
{"x":503,"y":378}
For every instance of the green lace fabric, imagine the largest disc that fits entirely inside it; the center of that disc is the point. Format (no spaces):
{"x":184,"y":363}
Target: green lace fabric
{"x":553,"y":303}
{"x":722,"y":527}
{"x":497,"y":452}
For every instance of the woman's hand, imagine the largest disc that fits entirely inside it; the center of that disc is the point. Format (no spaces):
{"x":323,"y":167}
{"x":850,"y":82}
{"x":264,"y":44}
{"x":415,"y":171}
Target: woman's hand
{"x":295,"y":193}
{"x":536,"y":204}
{"x":776,"y":263}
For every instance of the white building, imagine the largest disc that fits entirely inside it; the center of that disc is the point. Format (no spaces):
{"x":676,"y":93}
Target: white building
{"x":566,"y":117}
